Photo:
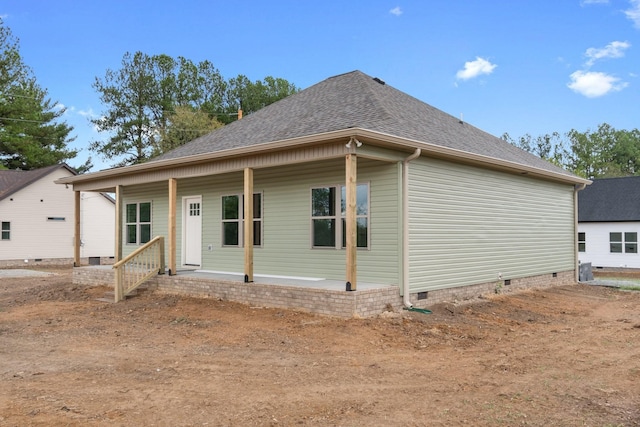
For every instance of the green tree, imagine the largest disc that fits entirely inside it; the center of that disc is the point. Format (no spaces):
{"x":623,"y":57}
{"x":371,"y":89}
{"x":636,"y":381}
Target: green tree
{"x":605,"y":152}
{"x":252,"y":96}
{"x":549,"y":147}
{"x":185,"y":124}
{"x":31,"y":134}
{"x":151,"y":100}
{"x":132,"y":99}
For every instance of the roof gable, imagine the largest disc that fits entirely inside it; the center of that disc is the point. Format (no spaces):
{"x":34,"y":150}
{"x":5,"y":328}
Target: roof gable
{"x":610,"y":200}
{"x":12,"y":181}
{"x":356,"y":100}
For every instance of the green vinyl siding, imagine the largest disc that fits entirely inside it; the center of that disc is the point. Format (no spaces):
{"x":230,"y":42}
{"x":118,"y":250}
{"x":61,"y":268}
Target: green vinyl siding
{"x":469,"y":224}
{"x":287,"y":222}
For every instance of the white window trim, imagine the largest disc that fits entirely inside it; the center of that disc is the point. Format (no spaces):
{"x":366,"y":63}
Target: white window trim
{"x":623,"y":242}
{"x":583,"y":241}
{"x":2,"y":230}
{"x":240,"y":220}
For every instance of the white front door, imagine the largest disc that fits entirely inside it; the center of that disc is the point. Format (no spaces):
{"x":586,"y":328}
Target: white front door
{"x":192,"y":233}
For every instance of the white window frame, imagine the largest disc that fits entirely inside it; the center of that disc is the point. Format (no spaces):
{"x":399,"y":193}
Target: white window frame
{"x":137,"y":223}
{"x":582,"y":241}
{"x":625,"y":244}
{"x":257,"y":237}
{"x":339,"y":216}
{"x":5,"y":229}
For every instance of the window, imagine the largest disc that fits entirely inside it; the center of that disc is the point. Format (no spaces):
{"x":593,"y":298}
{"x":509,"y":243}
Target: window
{"x":6,"y":230}
{"x":630,"y":242}
{"x":615,"y":242}
{"x":582,"y":242}
{"x":233,"y":220}
{"x":138,"y":223}
{"x":324,"y":216}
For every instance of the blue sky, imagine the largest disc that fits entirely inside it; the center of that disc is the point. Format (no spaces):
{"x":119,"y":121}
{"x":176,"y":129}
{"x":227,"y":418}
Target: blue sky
{"x":506,"y":66}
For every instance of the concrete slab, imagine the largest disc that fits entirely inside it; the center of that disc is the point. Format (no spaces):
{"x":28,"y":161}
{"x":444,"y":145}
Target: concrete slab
{"x":20,"y":272}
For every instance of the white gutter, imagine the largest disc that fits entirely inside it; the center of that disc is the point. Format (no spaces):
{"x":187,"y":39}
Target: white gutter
{"x":405,"y":227}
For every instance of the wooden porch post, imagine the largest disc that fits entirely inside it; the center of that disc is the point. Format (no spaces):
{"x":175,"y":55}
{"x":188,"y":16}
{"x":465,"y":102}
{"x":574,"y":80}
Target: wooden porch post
{"x":248,"y":225}
{"x":77,"y":238}
{"x":173,"y":188}
{"x":351,"y":166}
{"x":117,"y":254}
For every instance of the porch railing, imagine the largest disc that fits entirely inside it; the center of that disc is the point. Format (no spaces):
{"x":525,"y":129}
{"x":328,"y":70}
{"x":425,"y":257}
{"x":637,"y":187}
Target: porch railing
{"x":138,"y":267}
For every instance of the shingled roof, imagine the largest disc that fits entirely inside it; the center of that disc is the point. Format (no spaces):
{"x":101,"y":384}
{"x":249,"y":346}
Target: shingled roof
{"x":12,"y":181}
{"x":356,"y":100}
{"x":610,"y":200}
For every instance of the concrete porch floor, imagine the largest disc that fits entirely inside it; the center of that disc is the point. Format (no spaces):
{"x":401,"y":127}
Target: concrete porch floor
{"x":267,"y":279}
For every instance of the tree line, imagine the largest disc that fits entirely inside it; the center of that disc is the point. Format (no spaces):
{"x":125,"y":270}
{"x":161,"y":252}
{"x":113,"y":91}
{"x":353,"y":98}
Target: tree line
{"x":602,"y":153}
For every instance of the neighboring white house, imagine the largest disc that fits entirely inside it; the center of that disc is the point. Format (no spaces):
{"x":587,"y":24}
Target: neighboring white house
{"x":37,"y":219}
{"x":609,"y":223}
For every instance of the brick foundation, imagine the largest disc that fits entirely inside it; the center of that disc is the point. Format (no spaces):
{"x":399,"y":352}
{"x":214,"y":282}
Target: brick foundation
{"x":52,"y":262}
{"x":472,"y":292}
{"x":360,"y":303}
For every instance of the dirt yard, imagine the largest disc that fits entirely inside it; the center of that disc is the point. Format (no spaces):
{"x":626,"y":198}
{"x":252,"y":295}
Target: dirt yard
{"x":567,"y":356}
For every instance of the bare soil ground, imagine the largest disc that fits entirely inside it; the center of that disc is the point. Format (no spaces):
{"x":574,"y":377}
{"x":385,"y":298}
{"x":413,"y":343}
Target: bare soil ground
{"x":565,"y":356}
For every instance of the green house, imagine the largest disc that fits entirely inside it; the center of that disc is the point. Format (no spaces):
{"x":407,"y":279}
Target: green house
{"x":351,"y":180}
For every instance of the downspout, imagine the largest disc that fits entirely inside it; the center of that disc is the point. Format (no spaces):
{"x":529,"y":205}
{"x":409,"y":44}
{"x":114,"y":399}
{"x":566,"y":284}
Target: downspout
{"x":576,"y":271}
{"x":405,"y":227}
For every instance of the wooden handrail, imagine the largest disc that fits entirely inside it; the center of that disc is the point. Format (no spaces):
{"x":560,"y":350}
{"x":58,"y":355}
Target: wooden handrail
{"x":138,"y":267}
{"x":137,"y":251}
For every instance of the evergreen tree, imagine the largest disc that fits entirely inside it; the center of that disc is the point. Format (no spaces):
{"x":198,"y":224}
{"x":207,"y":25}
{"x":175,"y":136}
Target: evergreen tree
{"x":31,"y":134}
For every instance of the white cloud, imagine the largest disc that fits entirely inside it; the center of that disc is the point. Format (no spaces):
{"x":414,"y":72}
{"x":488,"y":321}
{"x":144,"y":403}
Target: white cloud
{"x":396,"y":11}
{"x":612,"y":50}
{"x":594,"y":84}
{"x":634,"y":12}
{"x":475,"y":68}
{"x":88,"y":113}
{"x":585,"y":2}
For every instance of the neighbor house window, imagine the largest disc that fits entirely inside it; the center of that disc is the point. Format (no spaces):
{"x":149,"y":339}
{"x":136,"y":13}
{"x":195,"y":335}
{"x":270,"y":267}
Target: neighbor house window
{"x":615,"y":243}
{"x":325,"y":216}
{"x":629,"y":243}
{"x":582,"y":242}
{"x":6,"y":230}
{"x":138,"y":223}
{"x":233,"y":220}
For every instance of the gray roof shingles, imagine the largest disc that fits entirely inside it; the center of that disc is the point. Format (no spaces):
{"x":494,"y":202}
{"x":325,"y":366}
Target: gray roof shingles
{"x":356,"y":100}
{"x":610,"y":200}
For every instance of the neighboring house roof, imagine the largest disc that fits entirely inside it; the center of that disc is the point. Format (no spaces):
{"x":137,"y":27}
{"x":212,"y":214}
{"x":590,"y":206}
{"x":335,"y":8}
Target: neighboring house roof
{"x":356,"y":100}
{"x":610,"y":200}
{"x":12,"y":181}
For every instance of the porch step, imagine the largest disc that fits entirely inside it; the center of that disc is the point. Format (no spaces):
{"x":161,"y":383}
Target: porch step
{"x":110,"y":296}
